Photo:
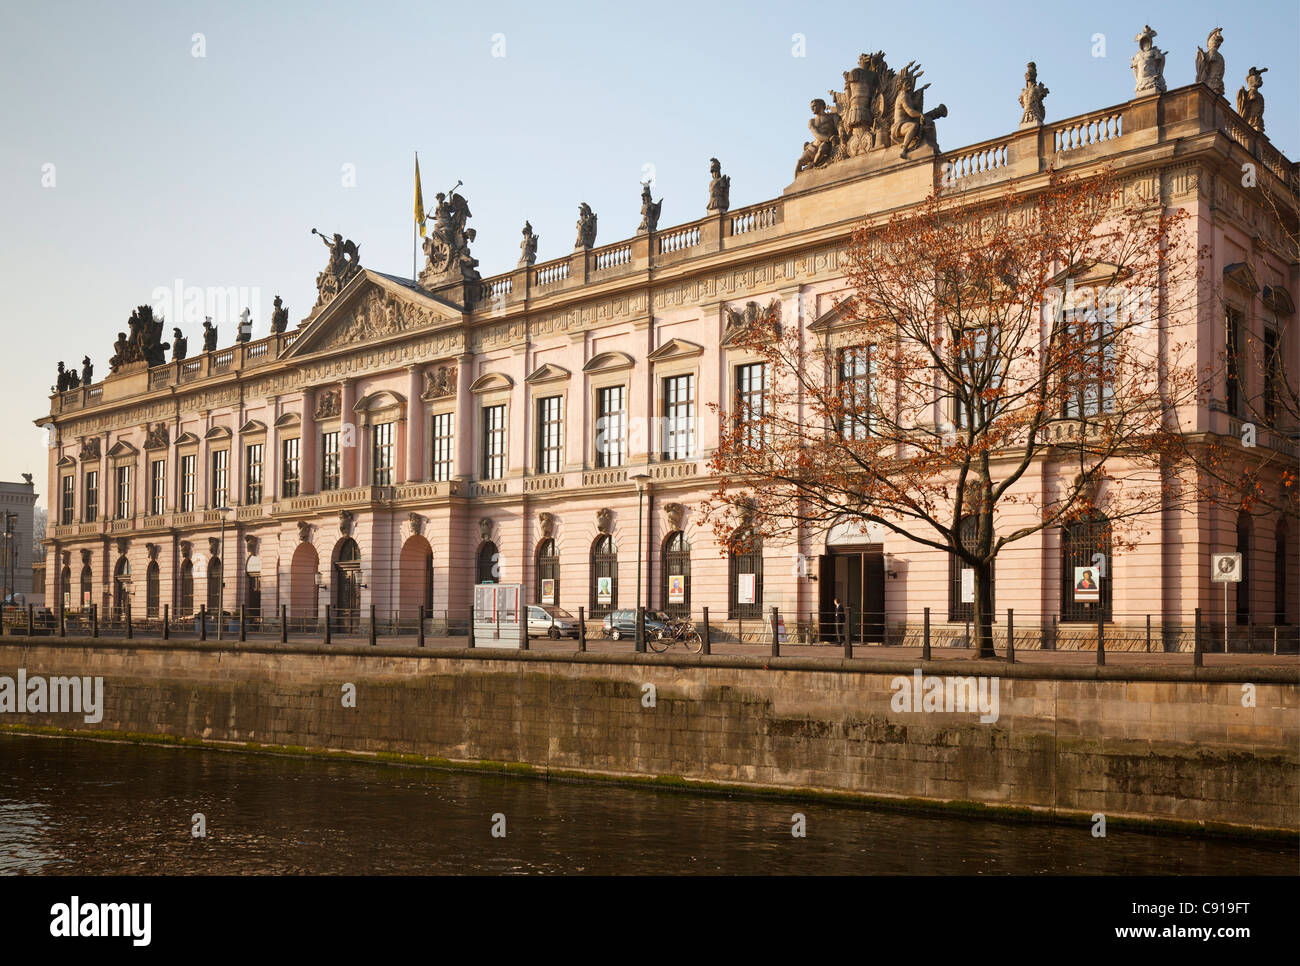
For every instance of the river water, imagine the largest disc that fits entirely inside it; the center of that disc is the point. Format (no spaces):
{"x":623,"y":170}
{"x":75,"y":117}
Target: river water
{"x":90,"y":807}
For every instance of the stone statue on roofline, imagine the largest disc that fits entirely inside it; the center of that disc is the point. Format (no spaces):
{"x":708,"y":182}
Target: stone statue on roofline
{"x":279,"y":317}
{"x":1209,"y":63}
{"x":209,"y":335}
{"x":528,"y":247}
{"x":446,"y":250}
{"x":1148,"y":64}
{"x":649,"y":211}
{"x":180,"y":345}
{"x":1031,"y":98}
{"x":344,"y":263}
{"x":586,"y":227}
{"x":1250,"y":102}
{"x":719,"y":187}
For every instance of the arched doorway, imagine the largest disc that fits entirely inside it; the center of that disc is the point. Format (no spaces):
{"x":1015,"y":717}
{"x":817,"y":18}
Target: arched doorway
{"x":548,"y":573}
{"x":488,"y":569}
{"x":151,"y":590}
{"x":121,"y":587}
{"x":303,"y":595}
{"x":214,"y":586}
{"x":65,"y":587}
{"x":187,"y":588}
{"x":87,"y":587}
{"x":604,"y":576}
{"x":347,"y":585}
{"x":1244,"y":527}
{"x":676,"y":583}
{"x":416,"y":570}
{"x":253,"y":588}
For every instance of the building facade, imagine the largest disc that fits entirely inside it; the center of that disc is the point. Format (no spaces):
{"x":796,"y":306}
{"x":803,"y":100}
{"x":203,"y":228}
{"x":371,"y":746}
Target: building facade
{"x":550,"y":425}
{"x":17,"y":504}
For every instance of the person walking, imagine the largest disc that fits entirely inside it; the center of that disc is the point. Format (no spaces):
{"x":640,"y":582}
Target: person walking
{"x":839,"y":620}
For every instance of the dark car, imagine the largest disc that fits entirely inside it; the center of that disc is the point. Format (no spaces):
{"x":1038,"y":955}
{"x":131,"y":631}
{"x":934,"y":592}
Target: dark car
{"x":622,"y":623}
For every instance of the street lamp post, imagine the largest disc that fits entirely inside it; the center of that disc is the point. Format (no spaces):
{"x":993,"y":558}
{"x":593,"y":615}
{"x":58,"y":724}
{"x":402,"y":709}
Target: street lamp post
{"x":642,"y":481}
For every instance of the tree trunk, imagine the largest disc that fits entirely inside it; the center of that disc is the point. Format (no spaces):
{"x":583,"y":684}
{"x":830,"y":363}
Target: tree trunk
{"x":984,"y":609}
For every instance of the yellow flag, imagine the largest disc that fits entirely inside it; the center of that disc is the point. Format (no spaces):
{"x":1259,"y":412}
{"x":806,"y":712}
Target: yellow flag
{"x":419,"y":197}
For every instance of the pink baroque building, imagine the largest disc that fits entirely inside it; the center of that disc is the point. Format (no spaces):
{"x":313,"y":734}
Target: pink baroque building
{"x":412,"y":437}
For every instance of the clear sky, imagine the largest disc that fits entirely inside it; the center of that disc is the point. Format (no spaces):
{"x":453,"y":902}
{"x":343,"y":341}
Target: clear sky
{"x":211,"y":170}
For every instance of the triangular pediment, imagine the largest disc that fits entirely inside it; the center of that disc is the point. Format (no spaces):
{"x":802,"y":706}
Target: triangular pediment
{"x":838,"y":314}
{"x":252,"y":427}
{"x":675,"y":349}
{"x":187,"y":439}
{"x":122,"y":448}
{"x":373,"y":307}
{"x":1240,"y":275}
{"x":66,"y":461}
{"x":1090,"y":273}
{"x":548,"y":372}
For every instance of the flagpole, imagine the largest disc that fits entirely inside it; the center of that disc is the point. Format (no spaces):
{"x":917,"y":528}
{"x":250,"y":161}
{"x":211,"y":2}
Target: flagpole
{"x":414,"y":222}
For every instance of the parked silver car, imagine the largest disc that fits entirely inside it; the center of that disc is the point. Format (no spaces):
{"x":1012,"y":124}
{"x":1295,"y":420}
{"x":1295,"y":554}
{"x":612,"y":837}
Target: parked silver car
{"x":554,"y":622}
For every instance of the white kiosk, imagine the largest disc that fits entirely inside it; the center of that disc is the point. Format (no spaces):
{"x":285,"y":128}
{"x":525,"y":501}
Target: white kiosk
{"x":500,"y":615}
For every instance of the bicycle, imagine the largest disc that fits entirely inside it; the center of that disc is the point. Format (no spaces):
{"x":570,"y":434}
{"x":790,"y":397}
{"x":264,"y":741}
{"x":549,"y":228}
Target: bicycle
{"x":681,"y":632}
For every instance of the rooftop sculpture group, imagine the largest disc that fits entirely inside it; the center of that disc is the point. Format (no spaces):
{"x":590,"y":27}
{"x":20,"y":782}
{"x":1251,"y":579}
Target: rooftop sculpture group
{"x":143,"y":343}
{"x":877,"y":109}
{"x":344,"y":263}
{"x":446,"y":250}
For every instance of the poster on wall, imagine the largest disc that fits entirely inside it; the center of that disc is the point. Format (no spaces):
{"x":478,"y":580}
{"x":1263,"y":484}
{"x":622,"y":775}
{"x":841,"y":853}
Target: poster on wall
{"x":85,"y":600}
{"x":676,"y":589}
{"x":745,"y":588}
{"x":968,"y":585}
{"x":604,"y":590}
{"x":548,"y":590}
{"x":1086,"y":588}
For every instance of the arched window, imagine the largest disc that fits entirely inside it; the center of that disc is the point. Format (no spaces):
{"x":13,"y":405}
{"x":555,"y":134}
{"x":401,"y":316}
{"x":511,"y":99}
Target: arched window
{"x":489,"y":564}
{"x":122,"y":586}
{"x":957,"y":609}
{"x":1085,"y":569}
{"x":676,"y":583}
{"x":745,"y":594}
{"x":151,"y":590}
{"x":548,"y":573}
{"x":214,"y":585}
{"x":1243,"y":548}
{"x":65,"y":586}
{"x":87,"y":586}
{"x":347,"y":585}
{"x":187,"y":588}
{"x":1279,"y":575}
{"x":604,"y":576}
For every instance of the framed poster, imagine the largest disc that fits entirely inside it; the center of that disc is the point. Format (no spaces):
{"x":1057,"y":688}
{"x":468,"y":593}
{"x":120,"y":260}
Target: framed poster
{"x":604,"y":590}
{"x":676,"y":589}
{"x":1225,"y":568}
{"x":745,"y":588}
{"x":1086,"y":588}
{"x":968,"y":585}
{"x":548,"y":590}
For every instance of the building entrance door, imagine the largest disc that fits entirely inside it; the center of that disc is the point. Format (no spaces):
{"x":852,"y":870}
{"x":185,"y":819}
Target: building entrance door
{"x":857,"y":576}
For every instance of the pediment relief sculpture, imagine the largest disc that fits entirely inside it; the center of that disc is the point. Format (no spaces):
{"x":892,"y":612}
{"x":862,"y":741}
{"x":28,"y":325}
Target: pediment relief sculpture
{"x":439,"y":383}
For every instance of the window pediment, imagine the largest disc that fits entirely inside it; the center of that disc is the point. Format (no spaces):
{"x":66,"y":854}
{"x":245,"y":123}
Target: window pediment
{"x":218,"y":432}
{"x":490,"y":381}
{"x":252,"y":427}
{"x":548,"y":373}
{"x":1240,"y":275}
{"x":65,"y":462}
{"x":609,"y":361}
{"x":1278,"y":300}
{"x":676,"y":349}
{"x":187,"y":439}
{"x":122,"y":450}
{"x":1090,"y":273}
{"x":288,"y":421}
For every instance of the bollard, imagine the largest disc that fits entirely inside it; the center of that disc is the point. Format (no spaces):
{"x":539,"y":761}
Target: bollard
{"x":29,"y":623}
{"x":1148,"y":633}
{"x":284,"y":623}
{"x":203,"y":622}
{"x":372,"y":625}
{"x":776,"y":641}
{"x":243,"y":627}
{"x":1101,"y":635}
{"x":523,"y":618}
{"x":925,"y":637}
{"x":327,"y":623}
{"x":129,"y":630}
{"x":94,"y":620}
{"x":1196,"y":640}
{"x":470,"y":644}
{"x":640,"y":630}
{"x":706,"y":646}
{"x":167,"y":622}
{"x":63,"y":629}
{"x":30,"y":606}
{"x":419,"y":639}
{"x":1055,"y":631}
{"x":1011,"y":636}
{"x":848,"y":631}
{"x":582,"y":629}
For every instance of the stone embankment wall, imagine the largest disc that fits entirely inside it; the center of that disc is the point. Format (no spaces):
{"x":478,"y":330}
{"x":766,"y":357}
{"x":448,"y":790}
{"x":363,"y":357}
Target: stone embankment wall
{"x":1160,"y":744}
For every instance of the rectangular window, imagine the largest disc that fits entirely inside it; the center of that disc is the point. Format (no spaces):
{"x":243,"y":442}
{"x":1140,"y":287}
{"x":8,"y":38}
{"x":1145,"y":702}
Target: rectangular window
{"x":1272,"y":375}
{"x":1090,"y":355}
{"x":92,"y":496}
{"x":289,"y":467}
{"x":330,"y":466}
{"x":158,"y":487}
{"x":382,"y":455}
{"x":751,"y":405}
{"x":124,"y":492}
{"x":1233,"y":351}
{"x":443,"y":440}
{"x":549,"y":456}
{"x":679,"y":417}
{"x":69,"y":485}
{"x":220,"y":477}
{"x":253,"y":473}
{"x":187,"y":483}
{"x":494,"y":442}
{"x":855,"y":378}
{"x":611,"y":426}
